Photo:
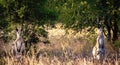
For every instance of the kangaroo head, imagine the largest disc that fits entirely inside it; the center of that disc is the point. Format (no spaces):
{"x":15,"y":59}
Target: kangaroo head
{"x":19,"y":32}
{"x":100,"y":31}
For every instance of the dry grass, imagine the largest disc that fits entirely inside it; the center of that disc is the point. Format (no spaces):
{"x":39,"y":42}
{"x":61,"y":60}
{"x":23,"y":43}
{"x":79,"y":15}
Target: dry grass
{"x":46,"y":60}
{"x":64,"y":53}
{"x":65,"y":49}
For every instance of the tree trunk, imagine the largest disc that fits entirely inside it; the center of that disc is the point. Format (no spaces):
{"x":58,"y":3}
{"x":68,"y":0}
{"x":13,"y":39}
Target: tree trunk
{"x":108,"y":26}
{"x":115,"y":21}
{"x":115,"y":27}
{"x":109,"y":33}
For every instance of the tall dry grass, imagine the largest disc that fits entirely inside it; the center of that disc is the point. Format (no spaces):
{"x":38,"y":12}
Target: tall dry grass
{"x":64,"y":53}
{"x":47,"y":60}
{"x":69,"y":48}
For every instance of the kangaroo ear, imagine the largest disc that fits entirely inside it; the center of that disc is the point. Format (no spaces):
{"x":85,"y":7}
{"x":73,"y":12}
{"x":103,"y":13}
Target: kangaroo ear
{"x":16,"y":29}
{"x":21,"y":29}
{"x":99,"y":26}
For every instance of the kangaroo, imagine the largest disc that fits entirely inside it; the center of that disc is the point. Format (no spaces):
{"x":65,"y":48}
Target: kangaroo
{"x":18,"y":47}
{"x":99,"y":50}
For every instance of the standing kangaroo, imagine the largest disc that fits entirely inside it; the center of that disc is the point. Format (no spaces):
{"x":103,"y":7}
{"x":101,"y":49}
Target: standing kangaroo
{"x":18,"y":47}
{"x":99,"y":50}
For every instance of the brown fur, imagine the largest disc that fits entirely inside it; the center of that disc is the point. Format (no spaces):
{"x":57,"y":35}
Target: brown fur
{"x":98,"y":49}
{"x":18,"y":47}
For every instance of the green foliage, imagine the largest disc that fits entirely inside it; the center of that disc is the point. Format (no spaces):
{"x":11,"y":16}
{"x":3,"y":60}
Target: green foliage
{"x":3,"y":22}
{"x":76,"y":14}
{"x":116,"y":44}
{"x":7,"y":35}
{"x":26,"y":12}
{"x":42,"y":32}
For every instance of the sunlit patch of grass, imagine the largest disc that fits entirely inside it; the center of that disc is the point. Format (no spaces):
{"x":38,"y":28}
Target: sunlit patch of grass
{"x":64,"y":49}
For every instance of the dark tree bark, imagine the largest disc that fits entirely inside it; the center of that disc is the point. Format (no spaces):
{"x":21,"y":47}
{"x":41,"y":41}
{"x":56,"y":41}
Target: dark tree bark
{"x":107,"y":19}
{"x":109,"y":33}
{"x":108,"y":26}
{"x":115,"y":19}
{"x":115,"y":28}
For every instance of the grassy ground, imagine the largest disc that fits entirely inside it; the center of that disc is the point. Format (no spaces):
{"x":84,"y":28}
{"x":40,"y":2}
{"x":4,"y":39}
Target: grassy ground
{"x":64,"y":49}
